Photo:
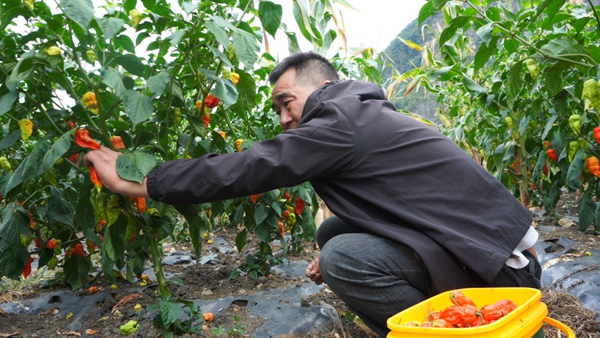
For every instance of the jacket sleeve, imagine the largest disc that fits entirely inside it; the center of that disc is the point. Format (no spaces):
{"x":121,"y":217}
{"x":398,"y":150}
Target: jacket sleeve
{"x":310,"y":151}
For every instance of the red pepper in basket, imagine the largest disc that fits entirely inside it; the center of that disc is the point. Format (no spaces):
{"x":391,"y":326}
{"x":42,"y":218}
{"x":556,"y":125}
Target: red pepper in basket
{"x":459,"y":298}
{"x":498,"y":310}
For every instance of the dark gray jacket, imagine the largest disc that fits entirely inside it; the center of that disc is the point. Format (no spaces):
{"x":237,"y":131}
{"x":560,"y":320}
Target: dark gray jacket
{"x":378,"y":170}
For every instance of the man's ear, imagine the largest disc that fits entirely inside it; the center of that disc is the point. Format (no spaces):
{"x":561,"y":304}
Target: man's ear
{"x":326,"y":82}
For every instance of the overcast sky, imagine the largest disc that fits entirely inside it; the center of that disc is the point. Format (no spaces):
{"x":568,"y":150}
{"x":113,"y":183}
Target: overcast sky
{"x":373,"y":23}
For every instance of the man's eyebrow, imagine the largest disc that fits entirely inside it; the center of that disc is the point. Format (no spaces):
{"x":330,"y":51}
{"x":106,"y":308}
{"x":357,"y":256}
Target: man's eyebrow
{"x":278,"y":97}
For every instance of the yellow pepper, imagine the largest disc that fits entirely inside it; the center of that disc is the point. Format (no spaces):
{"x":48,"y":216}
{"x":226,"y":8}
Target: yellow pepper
{"x":53,"y":51}
{"x":136,"y":17}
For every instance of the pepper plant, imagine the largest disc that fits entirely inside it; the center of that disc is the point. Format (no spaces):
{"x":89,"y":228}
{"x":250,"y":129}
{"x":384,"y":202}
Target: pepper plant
{"x":158,"y":82}
{"x":517,"y":90}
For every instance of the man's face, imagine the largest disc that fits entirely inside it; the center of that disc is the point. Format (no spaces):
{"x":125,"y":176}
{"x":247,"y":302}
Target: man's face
{"x":289,"y":99}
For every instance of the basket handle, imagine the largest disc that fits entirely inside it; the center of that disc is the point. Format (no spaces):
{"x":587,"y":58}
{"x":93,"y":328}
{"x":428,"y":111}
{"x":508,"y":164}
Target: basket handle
{"x":559,"y":325}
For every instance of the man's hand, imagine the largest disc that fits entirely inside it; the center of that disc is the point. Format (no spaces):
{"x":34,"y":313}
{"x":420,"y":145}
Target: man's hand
{"x":105,"y":162}
{"x":314,"y":273}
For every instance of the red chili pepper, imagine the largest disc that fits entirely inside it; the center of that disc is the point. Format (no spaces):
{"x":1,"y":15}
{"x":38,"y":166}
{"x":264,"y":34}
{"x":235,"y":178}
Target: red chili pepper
{"x":496,"y":311}
{"x":31,"y":221}
{"x":51,"y":244}
{"x":211,"y":101}
{"x":74,"y":158}
{"x":254,"y":197}
{"x":117,"y":142}
{"x":27,"y":268}
{"x":545,"y":170}
{"x":452,"y":314}
{"x":300,"y":204}
{"x":83,"y":139}
{"x":77,"y":249}
{"x":597,"y":134}
{"x":458,"y":298}
{"x":281,"y":227}
{"x":547,"y":144}
{"x":552,"y":154}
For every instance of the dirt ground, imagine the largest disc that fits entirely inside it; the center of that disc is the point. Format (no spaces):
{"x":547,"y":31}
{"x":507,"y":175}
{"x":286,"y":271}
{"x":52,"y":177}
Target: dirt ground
{"x":211,"y":281}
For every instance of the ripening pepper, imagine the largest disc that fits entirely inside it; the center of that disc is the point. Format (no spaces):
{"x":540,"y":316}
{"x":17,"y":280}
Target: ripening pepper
{"x":95,"y":178}
{"x":4,"y":164}
{"x":235,"y":78}
{"x":532,"y":68}
{"x":89,"y":100}
{"x":83,"y":139}
{"x":573,"y":147}
{"x":117,"y":142}
{"x":593,"y":165}
{"x":211,"y":101}
{"x":281,"y":227}
{"x":76,"y":249}
{"x":254,"y":197}
{"x":440,"y":323}
{"x":26,"y":127}
{"x":140,"y":204}
{"x":136,"y":17}
{"x":552,"y":154}
{"x":238,"y":144}
{"x":575,"y":123}
{"x":206,"y":120}
{"x":52,"y":51}
{"x":223,"y":135}
{"x":29,"y":3}
{"x":290,"y":220}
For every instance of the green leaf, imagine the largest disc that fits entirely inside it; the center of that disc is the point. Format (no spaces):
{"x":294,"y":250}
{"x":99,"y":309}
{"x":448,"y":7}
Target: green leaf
{"x":565,"y":47}
{"x":22,"y":70}
{"x":246,"y":47}
{"x":84,"y":212}
{"x":575,"y":170}
{"x":7,"y":101}
{"x":473,"y":86}
{"x":216,"y":26}
{"x":80,"y":11}
{"x":135,"y":166}
{"x":189,"y":7}
{"x":270,"y":16}
{"x":34,"y":166}
{"x":220,"y":55}
{"x":260,"y":213}
{"x":13,"y":255}
{"x":110,"y":26}
{"x":170,"y":312}
{"x":132,"y":64}
{"x":58,"y":149}
{"x":587,"y":211}
{"x":158,"y":83}
{"x":113,"y":209}
{"x":482,"y":56}
{"x":514,"y":83}
{"x":60,"y":210}
{"x":138,"y":106}
{"x":10,"y":139}
{"x":240,"y":240}
{"x":77,"y":269}
{"x":176,"y":37}
{"x":114,"y":80}
{"x":226,"y":91}
{"x":15,"y":178}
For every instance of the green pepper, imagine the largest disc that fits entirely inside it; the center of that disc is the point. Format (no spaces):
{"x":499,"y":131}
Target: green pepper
{"x":532,"y":68}
{"x":590,"y":89}
{"x":5,"y":164}
{"x":509,"y":122}
{"x":573,"y":147}
{"x":130,"y":327}
{"x":575,"y":123}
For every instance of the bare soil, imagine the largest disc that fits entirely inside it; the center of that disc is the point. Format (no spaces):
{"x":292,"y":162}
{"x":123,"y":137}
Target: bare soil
{"x":210,"y":281}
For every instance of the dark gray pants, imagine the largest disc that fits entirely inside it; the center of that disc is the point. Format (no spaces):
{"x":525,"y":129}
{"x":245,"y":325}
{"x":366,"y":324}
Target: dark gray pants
{"x":378,"y":278}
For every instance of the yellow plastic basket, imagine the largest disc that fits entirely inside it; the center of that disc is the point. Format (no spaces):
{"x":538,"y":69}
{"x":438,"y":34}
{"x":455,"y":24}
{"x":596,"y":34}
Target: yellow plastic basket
{"x":523,"y":322}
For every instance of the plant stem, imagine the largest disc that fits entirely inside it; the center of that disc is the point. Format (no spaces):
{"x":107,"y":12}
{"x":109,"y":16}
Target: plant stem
{"x":163,"y":290}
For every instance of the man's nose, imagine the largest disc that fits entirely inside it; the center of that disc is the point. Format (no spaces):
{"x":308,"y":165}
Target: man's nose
{"x":285,"y":119}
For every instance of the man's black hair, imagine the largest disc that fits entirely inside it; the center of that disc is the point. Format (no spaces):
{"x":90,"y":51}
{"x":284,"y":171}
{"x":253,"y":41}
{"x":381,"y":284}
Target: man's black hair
{"x":311,"y":69}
